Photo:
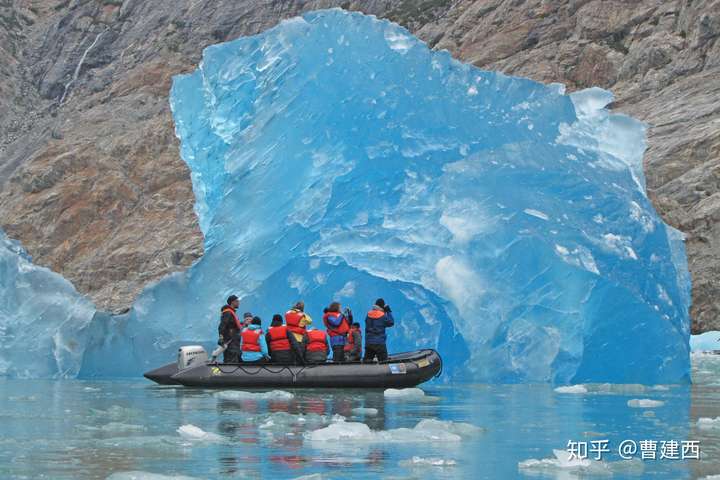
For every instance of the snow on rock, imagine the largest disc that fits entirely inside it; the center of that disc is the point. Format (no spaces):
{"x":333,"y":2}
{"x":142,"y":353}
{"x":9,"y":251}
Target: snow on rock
{"x":572,"y":389}
{"x":645,"y":403}
{"x":197,"y":434}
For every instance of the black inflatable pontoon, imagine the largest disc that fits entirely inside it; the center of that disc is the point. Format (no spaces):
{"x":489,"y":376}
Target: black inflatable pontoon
{"x":401,"y":370}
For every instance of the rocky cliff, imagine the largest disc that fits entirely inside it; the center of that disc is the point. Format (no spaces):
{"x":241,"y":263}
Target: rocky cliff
{"x":92,"y":183}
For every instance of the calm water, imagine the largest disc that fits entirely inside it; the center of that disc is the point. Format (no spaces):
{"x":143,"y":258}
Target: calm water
{"x":80,"y":429}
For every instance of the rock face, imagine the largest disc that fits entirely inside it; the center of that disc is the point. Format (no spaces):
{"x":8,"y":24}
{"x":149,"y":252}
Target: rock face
{"x":92,"y":184}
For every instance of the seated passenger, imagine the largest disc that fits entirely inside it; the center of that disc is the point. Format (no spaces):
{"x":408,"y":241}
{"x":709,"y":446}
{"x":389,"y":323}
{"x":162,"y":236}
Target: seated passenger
{"x":278,"y":340}
{"x":353,"y":347}
{"x":317,"y":346}
{"x":253,"y":345}
{"x":337,"y":326}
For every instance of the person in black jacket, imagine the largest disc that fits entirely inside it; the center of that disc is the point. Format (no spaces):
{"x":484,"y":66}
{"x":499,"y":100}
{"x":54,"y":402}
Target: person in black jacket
{"x":229,"y":330}
{"x":378,"y":319}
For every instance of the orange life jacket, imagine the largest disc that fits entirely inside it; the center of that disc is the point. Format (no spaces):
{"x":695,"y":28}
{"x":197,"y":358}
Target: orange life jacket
{"x":351,"y":340}
{"x":317,"y":342}
{"x":251,"y":340}
{"x":292,"y":319}
{"x":228,"y":308}
{"x":341,"y":329}
{"x":278,"y":338}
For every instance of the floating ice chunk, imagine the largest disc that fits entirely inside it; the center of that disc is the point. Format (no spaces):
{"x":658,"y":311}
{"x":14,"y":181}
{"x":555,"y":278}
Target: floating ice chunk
{"x":370,"y":412}
{"x":115,"y":427}
{"x":404,"y":393}
{"x":536,"y":213}
{"x":243,"y":395}
{"x":645,"y":403}
{"x":428,"y":462}
{"x":707,"y":341}
{"x":425,"y":430}
{"x":561,"y":466}
{"x":197,"y":434}
{"x":140,"y":475}
{"x":709,"y":423}
{"x":572,"y":389}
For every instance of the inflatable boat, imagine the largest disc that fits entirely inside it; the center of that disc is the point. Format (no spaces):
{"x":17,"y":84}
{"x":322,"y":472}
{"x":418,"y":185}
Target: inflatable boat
{"x":401,"y":370}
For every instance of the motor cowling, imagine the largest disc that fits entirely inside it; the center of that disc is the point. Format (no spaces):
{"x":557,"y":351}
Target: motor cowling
{"x":191,"y":356}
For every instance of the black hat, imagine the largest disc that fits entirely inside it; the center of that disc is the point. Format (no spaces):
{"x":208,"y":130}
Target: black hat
{"x":231,"y":299}
{"x":256,"y":321}
{"x":277,"y":320}
{"x":380,"y":303}
{"x":247,"y":315}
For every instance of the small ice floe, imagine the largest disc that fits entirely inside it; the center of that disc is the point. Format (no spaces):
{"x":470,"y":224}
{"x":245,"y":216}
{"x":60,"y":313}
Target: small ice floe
{"x":428,"y":462}
{"x":312,"y":476}
{"x":370,"y":412}
{"x":711,"y":477}
{"x":644,"y":403}
{"x":91,"y":389}
{"x":709,"y":423}
{"x":404,"y":393}
{"x":426,"y":430}
{"x":243,"y":395}
{"x":197,"y":434}
{"x":114,"y":427}
{"x":563,"y":464}
{"x":140,"y":475}
{"x":578,"y":389}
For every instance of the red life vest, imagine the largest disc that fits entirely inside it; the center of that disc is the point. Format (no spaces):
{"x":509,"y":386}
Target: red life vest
{"x":292,"y":319}
{"x":341,"y":329}
{"x":351,"y":340}
{"x":278,"y":338}
{"x":317,"y":342}
{"x":228,"y":308}
{"x":251,"y":340}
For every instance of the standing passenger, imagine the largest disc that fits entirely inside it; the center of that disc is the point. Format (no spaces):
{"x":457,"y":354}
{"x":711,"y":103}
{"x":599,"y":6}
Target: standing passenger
{"x":278,"y":341}
{"x":337,"y":325}
{"x":229,"y":329}
{"x":378,"y":319}
{"x":254,"y":347}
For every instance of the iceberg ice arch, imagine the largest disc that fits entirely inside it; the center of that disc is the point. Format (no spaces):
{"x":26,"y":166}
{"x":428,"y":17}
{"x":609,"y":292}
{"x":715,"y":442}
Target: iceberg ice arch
{"x":336,"y":157}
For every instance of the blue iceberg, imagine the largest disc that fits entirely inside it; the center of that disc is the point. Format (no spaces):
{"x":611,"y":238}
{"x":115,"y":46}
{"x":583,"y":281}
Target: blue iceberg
{"x":335,"y":156}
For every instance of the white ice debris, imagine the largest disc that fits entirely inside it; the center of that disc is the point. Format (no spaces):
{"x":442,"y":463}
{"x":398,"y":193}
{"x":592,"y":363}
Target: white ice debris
{"x":572,"y":389}
{"x":644,"y":403}
{"x":426,"y":430}
{"x":562,"y":465}
{"x":197,"y":434}
{"x":428,"y":462}
{"x":243,"y":395}
{"x":709,"y":423}
{"x":404,"y":394}
{"x":140,"y":475}
{"x":370,"y":412}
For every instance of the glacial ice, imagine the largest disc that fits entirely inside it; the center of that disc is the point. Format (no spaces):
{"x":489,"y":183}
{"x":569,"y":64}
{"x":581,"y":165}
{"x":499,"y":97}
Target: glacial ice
{"x":706,"y":423}
{"x":240,"y":395}
{"x":644,"y":403}
{"x":428,"y":430}
{"x":197,"y":434}
{"x":335,"y":156}
{"x":576,"y":389}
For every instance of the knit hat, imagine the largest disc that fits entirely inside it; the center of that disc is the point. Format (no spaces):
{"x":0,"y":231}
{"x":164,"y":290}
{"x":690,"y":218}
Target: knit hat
{"x":380,"y":303}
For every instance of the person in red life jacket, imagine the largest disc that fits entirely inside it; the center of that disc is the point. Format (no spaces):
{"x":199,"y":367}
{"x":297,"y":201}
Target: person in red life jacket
{"x":229,"y":330}
{"x":353,"y":347}
{"x":317,"y":345}
{"x":278,"y":340}
{"x":337,"y":326}
{"x":253,"y":345}
{"x":296,"y":321}
{"x":378,"y":319}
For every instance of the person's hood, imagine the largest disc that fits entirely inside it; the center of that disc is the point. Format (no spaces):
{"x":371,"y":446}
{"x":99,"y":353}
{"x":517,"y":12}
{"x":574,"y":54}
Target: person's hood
{"x":375,"y":307}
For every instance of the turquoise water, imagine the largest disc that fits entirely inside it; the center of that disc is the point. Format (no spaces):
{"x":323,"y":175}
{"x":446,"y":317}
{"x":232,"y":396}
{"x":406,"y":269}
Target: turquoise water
{"x":90,"y":429}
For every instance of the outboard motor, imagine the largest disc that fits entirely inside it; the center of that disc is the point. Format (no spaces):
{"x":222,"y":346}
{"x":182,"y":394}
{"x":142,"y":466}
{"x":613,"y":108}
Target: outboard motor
{"x":191,"y":356}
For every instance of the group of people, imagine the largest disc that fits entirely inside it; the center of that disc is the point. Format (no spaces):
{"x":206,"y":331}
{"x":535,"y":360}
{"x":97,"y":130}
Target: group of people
{"x":293,"y":340}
